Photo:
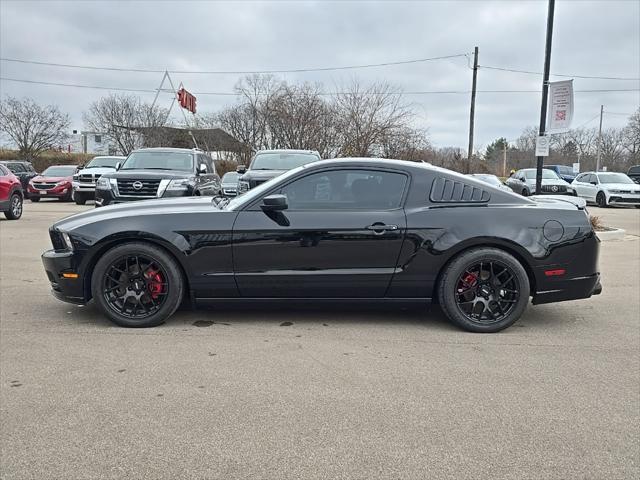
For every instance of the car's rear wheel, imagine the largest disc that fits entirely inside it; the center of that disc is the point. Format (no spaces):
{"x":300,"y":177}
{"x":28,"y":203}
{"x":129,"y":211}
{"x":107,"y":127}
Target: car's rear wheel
{"x":137,"y":285}
{"x":484,"y":290}
{"x":15,"y":207}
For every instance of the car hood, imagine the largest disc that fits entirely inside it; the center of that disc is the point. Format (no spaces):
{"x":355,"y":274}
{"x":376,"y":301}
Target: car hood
{"x":147,"y":174}
{"x":261,"y":174}
{"x":621,"y":186}
{"x":131,"y":209}
{"x":96,"y":170}
{"x":40,"y":178}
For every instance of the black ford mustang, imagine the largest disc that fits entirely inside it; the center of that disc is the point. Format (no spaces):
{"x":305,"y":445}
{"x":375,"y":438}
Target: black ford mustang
{"x":351,"y":229}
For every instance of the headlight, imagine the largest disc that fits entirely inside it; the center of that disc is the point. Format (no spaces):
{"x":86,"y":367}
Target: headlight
{"x":180,"y":184}
{"x":243,"y":186}
{"x":103,"y":184}
{"x":76,"y":177}
{"x":67,"y":240}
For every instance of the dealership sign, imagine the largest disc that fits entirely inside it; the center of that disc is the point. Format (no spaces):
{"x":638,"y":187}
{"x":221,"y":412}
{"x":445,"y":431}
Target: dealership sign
{"x":560,"y":106}
{"x":187,"y":100}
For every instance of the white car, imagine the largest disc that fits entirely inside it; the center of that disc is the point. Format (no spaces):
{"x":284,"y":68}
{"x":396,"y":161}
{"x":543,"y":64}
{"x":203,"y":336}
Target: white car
{"x":607,"y":188}
{"x":84,"y":181}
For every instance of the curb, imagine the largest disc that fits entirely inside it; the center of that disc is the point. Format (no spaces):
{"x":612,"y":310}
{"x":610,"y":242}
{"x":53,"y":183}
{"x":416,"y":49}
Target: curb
{"x":612,"y":234}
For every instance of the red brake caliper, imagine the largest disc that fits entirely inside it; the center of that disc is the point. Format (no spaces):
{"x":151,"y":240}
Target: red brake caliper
{"x":155,"y":284}
{"x":469,"y":281}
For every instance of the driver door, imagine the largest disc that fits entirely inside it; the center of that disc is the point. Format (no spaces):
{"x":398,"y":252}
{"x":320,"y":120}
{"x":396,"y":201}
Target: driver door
{"x":340,"y":237}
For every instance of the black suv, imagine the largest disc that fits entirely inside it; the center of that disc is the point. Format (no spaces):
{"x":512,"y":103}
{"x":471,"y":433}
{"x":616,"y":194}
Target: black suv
{"x":267,"y":164}
{"x":23,"y":170}
{"x":634,"y":173}
{"x":159,"y":173}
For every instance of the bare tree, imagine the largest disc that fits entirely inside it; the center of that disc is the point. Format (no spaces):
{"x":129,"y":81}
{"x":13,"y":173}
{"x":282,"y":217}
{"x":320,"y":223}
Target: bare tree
{"x":366,"y":115}
{"x":631,"y":138}
{"x":407,"y":143}
{"x":117,"y":116}
{"x":33,"y":128}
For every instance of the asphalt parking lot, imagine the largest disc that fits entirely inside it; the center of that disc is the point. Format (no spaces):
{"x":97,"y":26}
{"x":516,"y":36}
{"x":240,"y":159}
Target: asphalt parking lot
{"x":310,"y":392}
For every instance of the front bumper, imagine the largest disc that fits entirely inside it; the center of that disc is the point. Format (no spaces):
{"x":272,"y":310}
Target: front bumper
{"x":107,"y":197}
{"x":88,"y":189}
{"x":69,"y":290}
{"x":624,"y":199}
{"x":57,"y":192}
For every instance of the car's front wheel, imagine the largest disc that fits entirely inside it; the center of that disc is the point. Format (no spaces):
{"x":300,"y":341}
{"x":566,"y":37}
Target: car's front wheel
{"x":601,"y":199}
{"x":15,"y":207}
{"x":137,"y":285}
{"x":79,"y":198}
{"x":484,"y":290}
{"x":525,"y":192}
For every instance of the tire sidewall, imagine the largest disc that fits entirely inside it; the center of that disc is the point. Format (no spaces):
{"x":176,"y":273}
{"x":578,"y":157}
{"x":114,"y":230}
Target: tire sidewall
{"x":454,"y":270}
{"x":171,"y":267}
{"x":603,"y":203}
{"x":9,"y":213}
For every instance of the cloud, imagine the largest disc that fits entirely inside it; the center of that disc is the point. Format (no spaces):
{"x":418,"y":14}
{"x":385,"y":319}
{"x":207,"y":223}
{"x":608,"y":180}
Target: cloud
{"x":590,"y":38}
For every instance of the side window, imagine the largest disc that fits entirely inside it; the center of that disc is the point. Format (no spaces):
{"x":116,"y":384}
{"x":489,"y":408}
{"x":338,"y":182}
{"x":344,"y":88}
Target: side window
{"x":580,"y":178}
{"x":211,"y":166}
{"x":16,"y":168}
{"x":346,"y":190}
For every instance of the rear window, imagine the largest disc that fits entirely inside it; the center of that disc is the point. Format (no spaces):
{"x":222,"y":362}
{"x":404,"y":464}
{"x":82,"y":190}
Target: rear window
{"x":634,"y":170}
{"x":281,"y":161}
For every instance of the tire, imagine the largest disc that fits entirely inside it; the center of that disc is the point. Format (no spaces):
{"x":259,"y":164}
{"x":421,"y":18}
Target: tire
{"x":15,"y":207}
{"x":509,"y":305}
{"x":601,"y":200}
{"x":79,"y":198}
{"x":161,"y":263}
{"x":525,"y":192}
{"x":34,"y":199}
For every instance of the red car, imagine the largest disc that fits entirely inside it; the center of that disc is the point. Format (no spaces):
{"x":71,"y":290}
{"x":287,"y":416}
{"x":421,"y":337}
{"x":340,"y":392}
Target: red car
{"x":54,"y":182}
{"x":10,"y":194}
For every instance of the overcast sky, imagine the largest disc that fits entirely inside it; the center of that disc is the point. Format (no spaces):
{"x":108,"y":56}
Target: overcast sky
{"x":591,"y":38}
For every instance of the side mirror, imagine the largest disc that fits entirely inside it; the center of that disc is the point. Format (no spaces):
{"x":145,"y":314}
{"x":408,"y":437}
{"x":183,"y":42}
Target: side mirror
{"x":272,"y":203}
{"x":202,"y":168}
{"x":81,"y":166}
{"x":118,"y":165}
{"x":241,"y":169}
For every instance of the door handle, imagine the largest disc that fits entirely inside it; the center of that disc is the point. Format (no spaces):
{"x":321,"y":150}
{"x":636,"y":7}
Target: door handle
{"x":380,"y":228}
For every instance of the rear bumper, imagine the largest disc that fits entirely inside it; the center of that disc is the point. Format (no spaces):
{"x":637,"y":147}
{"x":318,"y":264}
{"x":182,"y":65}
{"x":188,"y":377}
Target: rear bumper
{"x":69,"y":290}
{"x":570,"y":289}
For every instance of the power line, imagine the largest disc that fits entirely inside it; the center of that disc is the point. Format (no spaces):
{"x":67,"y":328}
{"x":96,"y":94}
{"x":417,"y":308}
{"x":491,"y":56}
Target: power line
{"x":423,"y":92}
{"x":588,"y":121}
{"x":229,"y":72}
{"x":594,"y":77}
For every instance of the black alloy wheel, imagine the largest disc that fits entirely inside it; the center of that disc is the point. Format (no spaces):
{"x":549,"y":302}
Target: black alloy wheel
{"x":525,"y":192}
{"x":601,"y":200}
{"x":484,"y":290}
{"x":137,"y":285}
{"x":15,"y":207}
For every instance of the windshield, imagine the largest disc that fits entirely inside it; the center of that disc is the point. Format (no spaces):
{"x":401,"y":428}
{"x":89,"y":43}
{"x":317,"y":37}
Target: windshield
{"x":66,"y":171}
{"x":104,"y":162}
{"x":254,"y":193}
{"x":548,"y":174}
{"x":490,"y":179}
{"x":281,"y":161}
{"x":230,"y":177}
{"x":614,"y":178}
{"x":180,"y":161}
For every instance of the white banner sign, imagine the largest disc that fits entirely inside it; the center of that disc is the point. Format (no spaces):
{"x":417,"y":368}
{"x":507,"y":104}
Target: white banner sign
{"x":542,"y":146}
{"x":560,"y":106}
{"x":576,"y":168}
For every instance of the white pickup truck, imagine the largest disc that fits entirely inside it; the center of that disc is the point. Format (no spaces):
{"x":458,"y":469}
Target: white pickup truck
{"x":84,"y":181}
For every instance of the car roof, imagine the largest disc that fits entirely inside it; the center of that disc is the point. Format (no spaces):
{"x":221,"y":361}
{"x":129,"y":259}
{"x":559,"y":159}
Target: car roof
{"x":287,"y":150}
{"x":168,"y":149}
{"x":15,"y":161}
{"x":75,"y":166}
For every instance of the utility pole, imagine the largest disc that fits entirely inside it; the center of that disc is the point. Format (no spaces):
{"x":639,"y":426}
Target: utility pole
{"x":504,"y":159}
{"x":545,"y":91}
{"x":599,"y":140}
{"x":473,"y":108}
